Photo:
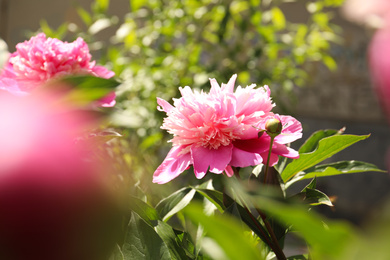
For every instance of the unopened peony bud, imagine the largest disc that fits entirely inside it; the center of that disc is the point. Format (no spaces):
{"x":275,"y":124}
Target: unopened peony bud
{"x":273,"y":127}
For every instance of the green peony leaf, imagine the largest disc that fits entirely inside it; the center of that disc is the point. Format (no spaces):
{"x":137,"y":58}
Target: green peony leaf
{"x":175,"y":202}
{"x":327,"y":147}
{"x":142,"y":242}
{"x":215,"y":197}
{"x":227,"y":232}
{"x":342,"y":167}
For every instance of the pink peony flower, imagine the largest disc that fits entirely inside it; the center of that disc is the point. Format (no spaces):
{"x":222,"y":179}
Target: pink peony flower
{"x":219,"y":130}
{"x":40,"y":59}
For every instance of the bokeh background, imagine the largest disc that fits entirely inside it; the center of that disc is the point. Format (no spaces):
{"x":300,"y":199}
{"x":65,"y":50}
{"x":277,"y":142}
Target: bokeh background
{"x":313,"y":59}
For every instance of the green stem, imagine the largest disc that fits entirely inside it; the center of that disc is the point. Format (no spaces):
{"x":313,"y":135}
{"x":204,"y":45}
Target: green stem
{"x":274,"y":244}
{"x":277,"y":249}
{"x":269,"y":156}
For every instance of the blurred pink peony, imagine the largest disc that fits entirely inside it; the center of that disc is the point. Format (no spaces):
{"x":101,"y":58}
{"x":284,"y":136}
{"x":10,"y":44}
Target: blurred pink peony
{"x":54,"y":201}
{"x":373,"y":12}
{"x":379,"y":61}
{"x":219,"y":130}
{"x":40,"y":59}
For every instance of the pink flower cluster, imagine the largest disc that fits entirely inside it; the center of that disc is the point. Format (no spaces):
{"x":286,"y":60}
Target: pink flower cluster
{"x":40,"y":59}
{"x":219,"y":130}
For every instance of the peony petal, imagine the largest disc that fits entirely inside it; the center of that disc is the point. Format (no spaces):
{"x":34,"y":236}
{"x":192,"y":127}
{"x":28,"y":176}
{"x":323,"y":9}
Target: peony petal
{"x":229,"y":171}
{"x":215,"y":159}
{"x":102,"y":72}
{"x":292,"y":130}
{"x":255,"y":145}
{"x":215,"y":89}
{"x":174,"y":164}
{"x":242,"y":158}
{"x":272,"y":161}
{"x":165,"y":106}
{"x":284,"y":151}
{"x":229,"y":87}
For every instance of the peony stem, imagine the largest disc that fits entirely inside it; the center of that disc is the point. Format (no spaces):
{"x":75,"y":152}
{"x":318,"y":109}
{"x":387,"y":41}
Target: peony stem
{"x":268,"y":159}
{"x":276,"y":247}
{"x":273,"y":243}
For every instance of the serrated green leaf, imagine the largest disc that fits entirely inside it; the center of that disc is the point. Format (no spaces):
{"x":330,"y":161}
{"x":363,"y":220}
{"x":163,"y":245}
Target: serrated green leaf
{"x":326,"y":148}
{"x":227,"y":232}
{"x":175,"y":202}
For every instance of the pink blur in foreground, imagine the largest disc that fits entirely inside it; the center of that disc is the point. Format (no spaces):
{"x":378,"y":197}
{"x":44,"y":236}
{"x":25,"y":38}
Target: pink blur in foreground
{"x":53,"y":201}
{"x":218,"y":130}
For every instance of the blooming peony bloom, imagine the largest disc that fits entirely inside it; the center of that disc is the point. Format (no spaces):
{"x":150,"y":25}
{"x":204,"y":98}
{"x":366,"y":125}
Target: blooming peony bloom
{"x":40,"y":59}
{"x":218,"y":130}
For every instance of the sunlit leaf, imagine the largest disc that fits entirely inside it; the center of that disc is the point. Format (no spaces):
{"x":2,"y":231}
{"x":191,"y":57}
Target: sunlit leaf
{"x":144,"y":210}
{"x":227,"y":232}
{"x":342,"y":167}
{"x":215,"y":197}
{"x":312,"y":142}
{"x":175,"y":202}
{"x":326,"y":148}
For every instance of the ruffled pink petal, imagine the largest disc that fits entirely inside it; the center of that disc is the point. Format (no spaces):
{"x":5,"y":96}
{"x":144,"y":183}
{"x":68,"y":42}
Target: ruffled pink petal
{"x":229,"y":87}
{"x":215,"y":89}
{"x":102,"y":72}
{"x":292,"y":130}
{"x":174,"y":164}
{"x":242,"y":158}
{"x":282,"y":150}
{"x":164,"y":105}
{"x":215,"y":159}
